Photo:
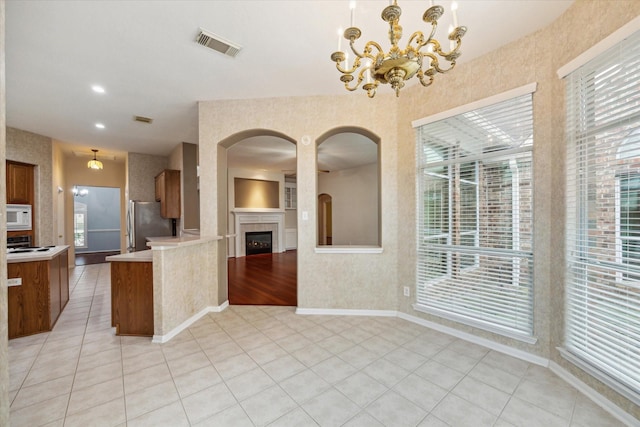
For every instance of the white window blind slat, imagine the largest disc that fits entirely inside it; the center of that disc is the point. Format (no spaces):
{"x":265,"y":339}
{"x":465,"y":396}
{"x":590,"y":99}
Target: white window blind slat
{"x":475,"y":217}
{"x":603,"y":214}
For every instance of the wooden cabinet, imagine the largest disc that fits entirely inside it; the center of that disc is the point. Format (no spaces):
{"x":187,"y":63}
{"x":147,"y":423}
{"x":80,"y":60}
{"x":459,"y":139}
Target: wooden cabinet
{"x":168,"y":193}
{"x":132,"y":298}
{"x":35,"y":305}
{"x":20,"y":189}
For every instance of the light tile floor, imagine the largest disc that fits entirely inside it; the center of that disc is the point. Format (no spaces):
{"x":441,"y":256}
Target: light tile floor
{"x":267,"y":366}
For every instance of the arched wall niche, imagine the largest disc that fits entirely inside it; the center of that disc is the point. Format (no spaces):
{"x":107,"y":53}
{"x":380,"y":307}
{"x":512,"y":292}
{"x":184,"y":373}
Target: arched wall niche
{"x":348,"y":170}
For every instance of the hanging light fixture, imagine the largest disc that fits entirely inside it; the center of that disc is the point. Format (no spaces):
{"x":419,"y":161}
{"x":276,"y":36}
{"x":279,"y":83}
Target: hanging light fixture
{"x":374,"y":66}
{"x":95,"y":163}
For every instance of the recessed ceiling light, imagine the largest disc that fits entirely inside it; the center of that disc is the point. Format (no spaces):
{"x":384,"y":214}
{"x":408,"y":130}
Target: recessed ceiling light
{"x":99,"y":125}
{"x":98,"y":89}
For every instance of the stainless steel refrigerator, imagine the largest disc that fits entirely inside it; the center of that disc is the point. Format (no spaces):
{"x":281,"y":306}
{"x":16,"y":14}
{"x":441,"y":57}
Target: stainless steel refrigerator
{"x":144,"y":220}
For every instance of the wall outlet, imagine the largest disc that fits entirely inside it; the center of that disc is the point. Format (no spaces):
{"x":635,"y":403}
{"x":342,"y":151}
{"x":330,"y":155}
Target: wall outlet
{"x":407,"y":291}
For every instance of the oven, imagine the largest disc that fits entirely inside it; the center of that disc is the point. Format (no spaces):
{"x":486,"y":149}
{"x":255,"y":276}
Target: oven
{"x":14,"y":242}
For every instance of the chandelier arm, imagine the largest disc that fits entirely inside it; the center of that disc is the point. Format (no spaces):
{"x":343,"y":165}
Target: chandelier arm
{"x":435,"y":64}
{"x":422,"y":81}
{"x":356,"y":65}
{"x":357,"y":83}
{"x":419,"y":39}
{"x":366,"y":53}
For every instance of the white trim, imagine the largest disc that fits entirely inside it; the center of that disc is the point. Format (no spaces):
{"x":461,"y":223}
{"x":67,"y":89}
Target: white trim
{"x":599,"y":48}
{"x":349,"y":250}
{"x":593,"y":395}
{"x":220,"y":308}
{"x":502,"y":348}
{"x":345,"y":312}
{"x":161,"y":339}
{"x":504,"y":96}
{"x":630,"y":394}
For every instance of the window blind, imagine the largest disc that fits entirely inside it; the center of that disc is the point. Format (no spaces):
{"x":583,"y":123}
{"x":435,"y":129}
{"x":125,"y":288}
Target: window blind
{"x":475,"y":217}
{"x":603,"y":214}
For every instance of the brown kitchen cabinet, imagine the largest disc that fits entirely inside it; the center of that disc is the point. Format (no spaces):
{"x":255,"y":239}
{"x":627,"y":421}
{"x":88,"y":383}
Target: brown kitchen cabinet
{"x":35,"y":305}
{"x":132,"y":298}
{"x":168,"y":193}
{"x":20,"y":179}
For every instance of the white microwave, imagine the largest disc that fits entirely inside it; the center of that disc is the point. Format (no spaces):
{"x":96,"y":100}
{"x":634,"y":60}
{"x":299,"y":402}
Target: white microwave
{"x":18,"y":217}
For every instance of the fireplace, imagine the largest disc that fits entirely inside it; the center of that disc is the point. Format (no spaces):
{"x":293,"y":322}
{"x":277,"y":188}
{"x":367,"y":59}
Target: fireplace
{"x":258,"y":242}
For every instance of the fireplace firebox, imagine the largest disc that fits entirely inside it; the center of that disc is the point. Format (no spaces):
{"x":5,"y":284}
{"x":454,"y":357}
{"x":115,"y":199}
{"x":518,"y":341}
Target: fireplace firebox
{"x":258,"y":242}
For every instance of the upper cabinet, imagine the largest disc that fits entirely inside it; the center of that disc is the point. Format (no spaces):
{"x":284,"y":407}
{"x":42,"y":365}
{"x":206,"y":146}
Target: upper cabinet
{"x":20,"y":183}
{"x":168,"y":193}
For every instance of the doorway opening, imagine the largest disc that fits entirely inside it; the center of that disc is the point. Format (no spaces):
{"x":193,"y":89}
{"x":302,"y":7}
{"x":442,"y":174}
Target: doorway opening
{"x":96,"y":223}
{"x":325,"y":222}
{"x":261,"y":214}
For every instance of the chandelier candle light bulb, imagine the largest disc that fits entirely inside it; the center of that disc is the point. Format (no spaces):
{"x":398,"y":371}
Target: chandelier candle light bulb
{"x":352,"y":6}
{"x":454,"y":12}
{"x":373,"y":66}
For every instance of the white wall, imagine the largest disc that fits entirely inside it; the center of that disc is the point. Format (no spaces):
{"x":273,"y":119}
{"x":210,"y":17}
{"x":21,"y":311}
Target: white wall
{"x":354,"y":199}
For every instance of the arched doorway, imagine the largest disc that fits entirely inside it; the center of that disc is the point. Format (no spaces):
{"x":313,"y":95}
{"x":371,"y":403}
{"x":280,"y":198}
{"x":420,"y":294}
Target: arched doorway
{"x":259,"y":167}
{"x":325,"y":222}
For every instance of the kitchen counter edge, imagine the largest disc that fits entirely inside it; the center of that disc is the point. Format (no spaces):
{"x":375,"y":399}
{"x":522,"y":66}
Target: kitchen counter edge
{"x":37,"y":256}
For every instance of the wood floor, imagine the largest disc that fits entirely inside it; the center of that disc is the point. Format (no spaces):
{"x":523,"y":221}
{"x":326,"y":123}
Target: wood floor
{"x":264,"y":279}
{"x":93,"y":257}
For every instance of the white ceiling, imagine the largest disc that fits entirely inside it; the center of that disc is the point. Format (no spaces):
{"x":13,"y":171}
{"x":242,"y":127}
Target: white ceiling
{"x":144,"y":54}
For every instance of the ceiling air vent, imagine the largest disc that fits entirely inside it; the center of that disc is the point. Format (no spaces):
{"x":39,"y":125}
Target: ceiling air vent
{"x":215,"y":42}
{"x":142,"y":119}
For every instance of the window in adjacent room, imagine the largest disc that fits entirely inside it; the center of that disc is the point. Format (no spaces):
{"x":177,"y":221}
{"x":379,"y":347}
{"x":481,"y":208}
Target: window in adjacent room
{"x":80,"y":225}
{"x":603,"y":217}
{"x":475,"y":216}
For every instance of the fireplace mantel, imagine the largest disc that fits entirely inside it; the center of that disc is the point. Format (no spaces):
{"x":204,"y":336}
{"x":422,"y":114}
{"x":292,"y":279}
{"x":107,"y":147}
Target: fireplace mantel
{"x":249,"y":217}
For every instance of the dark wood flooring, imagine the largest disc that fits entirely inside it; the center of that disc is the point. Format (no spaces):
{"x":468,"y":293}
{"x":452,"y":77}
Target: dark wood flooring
{"x":93,"y":257}
{"x":264,"y":279}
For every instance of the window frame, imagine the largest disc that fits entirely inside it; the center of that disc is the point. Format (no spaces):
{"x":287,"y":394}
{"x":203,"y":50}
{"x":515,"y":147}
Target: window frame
{"x":601,"y":304}
{"x":422,"y":171}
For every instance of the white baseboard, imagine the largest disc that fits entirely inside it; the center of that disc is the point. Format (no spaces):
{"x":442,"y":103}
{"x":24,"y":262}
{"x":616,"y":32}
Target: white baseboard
{"x":502,"y":348}
{"x":219,"y":308}
{"x":596,"y":397}
{"x":161,"y":339}
{"x":345,"y":312}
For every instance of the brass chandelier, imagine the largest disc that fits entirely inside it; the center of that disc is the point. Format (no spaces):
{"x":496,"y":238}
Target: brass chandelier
{"x":374,"y":66}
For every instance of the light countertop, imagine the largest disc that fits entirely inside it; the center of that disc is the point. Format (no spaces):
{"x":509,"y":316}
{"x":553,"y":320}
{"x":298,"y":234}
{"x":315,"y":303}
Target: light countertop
{"x":37,"y":256}
{"x":172,"y":242}
{"x":139,"y":256}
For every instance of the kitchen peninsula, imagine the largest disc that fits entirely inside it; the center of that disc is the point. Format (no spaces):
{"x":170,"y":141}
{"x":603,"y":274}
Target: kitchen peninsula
{"x":38,"y":288}
{"x":162,"y":290}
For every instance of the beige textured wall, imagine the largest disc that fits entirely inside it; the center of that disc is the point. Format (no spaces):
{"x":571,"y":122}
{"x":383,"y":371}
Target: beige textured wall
{"x":27,"y":147}
{"x":77,"y":173}
{"x":57,"y":172}
{"x":183,"y":284}
{"x":354,"y":281}
{"x":141,"y":171}
{"x":4,"y":344}
{"x":535,"y":58}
